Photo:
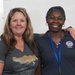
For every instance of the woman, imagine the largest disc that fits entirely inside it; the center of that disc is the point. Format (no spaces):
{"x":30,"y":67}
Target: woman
{"x":18,"y":52}
{"x":56,"y":46}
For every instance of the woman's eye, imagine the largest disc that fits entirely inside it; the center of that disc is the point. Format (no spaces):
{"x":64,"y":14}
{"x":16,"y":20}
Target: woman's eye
{"x":14,"y":20}
{"x":60,"y":18}
{"x":18,"y":20}
{"x":22,"y":20}
{"x":51,"y":18}
{"x":56,"y":18}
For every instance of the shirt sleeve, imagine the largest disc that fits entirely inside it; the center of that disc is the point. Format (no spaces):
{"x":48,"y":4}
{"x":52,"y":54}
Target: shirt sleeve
{"x":2,"y":50}
{"x":36,"y":36}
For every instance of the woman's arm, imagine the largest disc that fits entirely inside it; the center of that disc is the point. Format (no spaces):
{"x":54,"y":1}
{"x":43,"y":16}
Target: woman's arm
{"x":1,"y":66}
{"x":71,"y":31}
{"x":39,"y":68}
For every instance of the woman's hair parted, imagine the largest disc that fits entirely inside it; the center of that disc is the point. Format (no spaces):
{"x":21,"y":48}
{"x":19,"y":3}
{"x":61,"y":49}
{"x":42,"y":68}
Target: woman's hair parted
{"x":8,"y":36}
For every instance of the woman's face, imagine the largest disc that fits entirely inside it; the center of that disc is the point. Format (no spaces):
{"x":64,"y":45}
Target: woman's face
{"x":55,"y":21}
{"x":18,"y":23}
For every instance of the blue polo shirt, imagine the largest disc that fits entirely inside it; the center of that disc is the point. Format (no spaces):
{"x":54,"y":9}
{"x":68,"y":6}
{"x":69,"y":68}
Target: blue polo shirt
{"x":49,"y":63}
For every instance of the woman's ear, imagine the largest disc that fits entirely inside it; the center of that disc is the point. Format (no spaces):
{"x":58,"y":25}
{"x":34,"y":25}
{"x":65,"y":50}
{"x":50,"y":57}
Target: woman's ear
{"x":46,"y":21}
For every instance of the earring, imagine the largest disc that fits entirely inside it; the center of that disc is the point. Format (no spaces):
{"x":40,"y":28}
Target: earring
{"x":63,"y":25}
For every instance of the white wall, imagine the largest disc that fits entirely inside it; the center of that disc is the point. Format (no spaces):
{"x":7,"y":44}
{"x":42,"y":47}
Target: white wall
{"x":37,"y":10}
{"x":1,"y":16}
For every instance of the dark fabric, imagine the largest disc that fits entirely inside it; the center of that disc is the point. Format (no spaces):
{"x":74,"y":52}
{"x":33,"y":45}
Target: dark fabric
{"x":49,"y":63}
{"x":17,"y":62}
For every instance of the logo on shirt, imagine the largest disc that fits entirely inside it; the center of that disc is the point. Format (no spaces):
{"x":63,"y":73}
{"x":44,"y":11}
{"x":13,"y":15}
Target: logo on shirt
{"x":69,"y":44}
{"x":25,"y":59}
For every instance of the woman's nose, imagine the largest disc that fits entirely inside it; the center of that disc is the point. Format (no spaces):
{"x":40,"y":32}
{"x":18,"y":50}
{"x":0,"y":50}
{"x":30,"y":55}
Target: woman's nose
{"x":55,"y":19}
{"x":18,"y":23}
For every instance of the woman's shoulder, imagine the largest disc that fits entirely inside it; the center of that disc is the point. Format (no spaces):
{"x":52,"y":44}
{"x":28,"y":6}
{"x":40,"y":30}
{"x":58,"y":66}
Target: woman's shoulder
{"x":2,"y":44}
{"x":1,"y":41}
{"x":37,"y":35}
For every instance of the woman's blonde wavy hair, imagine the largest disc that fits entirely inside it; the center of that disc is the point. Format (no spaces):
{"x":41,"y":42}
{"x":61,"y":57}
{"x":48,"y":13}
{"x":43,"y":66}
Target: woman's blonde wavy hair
{"x":8,"y":36}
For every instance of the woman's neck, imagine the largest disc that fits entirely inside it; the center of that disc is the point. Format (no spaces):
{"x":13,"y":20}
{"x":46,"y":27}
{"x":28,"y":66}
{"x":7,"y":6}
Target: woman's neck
{"x":55,"y":34}
{"x":18,"y":38}
{"x":56,"y":37}
{"x":20,"y":43}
